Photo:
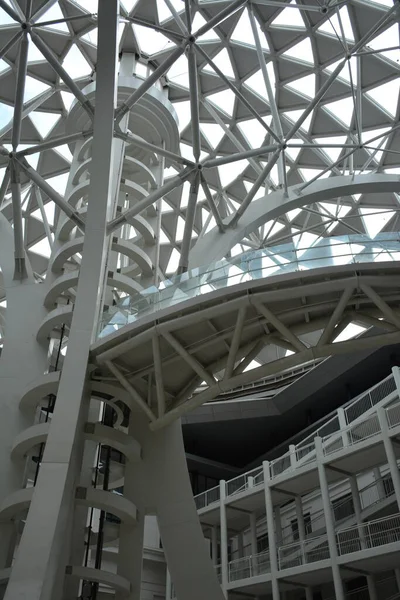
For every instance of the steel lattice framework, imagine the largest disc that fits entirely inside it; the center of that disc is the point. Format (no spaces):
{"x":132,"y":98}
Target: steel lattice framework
{"x":270,"y":95}
{"x":288,"y":132}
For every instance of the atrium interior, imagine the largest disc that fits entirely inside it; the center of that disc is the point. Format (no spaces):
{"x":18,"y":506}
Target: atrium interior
{"x":199,"y":299}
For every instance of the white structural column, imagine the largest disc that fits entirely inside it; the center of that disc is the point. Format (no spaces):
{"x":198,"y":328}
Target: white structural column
{"x":269,"y":509}
{"x":253,"y":537}
{"x":224,"y":536}
{"x":357,"y":511}
{"x":396,"y":375}
{"x":330,"y":529}
{"x":302,"y":535}
{"x":379,"y":483}
{"x":253,"y":533}
{"x":168,"y":586}
{"x":390,"y":454}
{"x":20,"y":350}
{"x":278,"y":525}
{"x":38,"y":571}
{"x":214,"y":545}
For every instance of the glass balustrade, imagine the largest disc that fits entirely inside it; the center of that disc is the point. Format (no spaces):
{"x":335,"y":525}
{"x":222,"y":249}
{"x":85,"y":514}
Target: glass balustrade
{"x":253,"y":265}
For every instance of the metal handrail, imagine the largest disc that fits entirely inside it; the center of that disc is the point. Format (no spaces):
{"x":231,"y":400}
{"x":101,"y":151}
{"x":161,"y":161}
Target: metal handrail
{"x":297,"y":456}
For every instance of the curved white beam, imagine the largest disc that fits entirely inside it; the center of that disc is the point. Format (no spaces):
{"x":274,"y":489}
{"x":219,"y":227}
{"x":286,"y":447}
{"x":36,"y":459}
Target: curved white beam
{"x":215,"y":245}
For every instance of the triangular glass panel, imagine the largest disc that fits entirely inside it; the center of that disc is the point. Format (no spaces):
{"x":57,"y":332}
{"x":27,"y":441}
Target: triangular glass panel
{"x":276,"y":228}
{"x":49,"y":212}
{"x":75,"y":63}
{"x":4,"y":66}
{"x":309,"y":174}
{"x":183,"y":112}
{"x":198,"y":22}
{"x":253,"y":131}
{"x":304,"y":85}
{"x":91,"y":36}
{"x":301,"y":51}
{"x":349,"y":332}
{"x":44,"y":122}
{"x":6,"y":114}
{"x":294,"y":116}
{"x":5,"y":19}
{"x":224,"y":100}
{"x":256,"y":83}
{"x":42,"y":248}
{"x":249,"y":186}
{"x":129,"y":5}
{"x":151,"y":41}
{"x":173,"y":261}
{"x":178,"y":73}
{"x":180,"y":228}
{"x":333,"y":153}
{"x":185,"y":194}
{"x":388,"y":39}
{"x":290,"y":17}
{"x":90,"y":6}
{"x":67,"y":99}
{"x":342,"y":110}
{"x":34,"y":54}
{"x":231,"y":171}
{"x":374,"y":222}
{"x":33,"y":88}
{"x":292,"y":152}
{"x":387,"y":96}
{"x":213,"y":132}
{"x":54,"y":14}
{"x":64,"y":151}
{"x":333,"y":26}
{"x":292,"y":214}
{"x":59,"y":183}
{"x":223,"y":62}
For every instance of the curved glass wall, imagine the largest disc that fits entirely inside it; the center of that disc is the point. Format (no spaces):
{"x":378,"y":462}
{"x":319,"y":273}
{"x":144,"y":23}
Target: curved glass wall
{"x":254,"y":265}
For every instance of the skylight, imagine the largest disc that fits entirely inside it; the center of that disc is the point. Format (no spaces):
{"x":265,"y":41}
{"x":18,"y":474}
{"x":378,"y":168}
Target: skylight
{"x":301,"y":48}
{"x":289,"y":17}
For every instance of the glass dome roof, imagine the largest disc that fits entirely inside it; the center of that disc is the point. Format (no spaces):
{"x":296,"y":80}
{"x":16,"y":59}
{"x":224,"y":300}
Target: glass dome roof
{"x":313,"y":83}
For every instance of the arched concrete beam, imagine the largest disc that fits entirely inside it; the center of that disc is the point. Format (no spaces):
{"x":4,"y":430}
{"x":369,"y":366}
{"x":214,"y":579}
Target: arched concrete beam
{"x":119,"y":440}
{"x":16,"y":503}
{"x":39,"y":388}
{"x":37,"y":434}
{"x":114,"y":503}
{"x":56,"y":317}
{"x":215,"y":245}
{"x":29,"y":438}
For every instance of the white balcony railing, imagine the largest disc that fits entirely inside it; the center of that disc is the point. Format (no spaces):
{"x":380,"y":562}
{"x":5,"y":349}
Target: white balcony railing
{"x":369,"y":535}
{"x":333,"y":440}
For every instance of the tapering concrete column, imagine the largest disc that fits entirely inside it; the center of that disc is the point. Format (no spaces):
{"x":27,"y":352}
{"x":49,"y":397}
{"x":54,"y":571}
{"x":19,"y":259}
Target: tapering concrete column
{"x":300,"y":524}
{"x":343,"y":425}
{"x":253,"y":533}
{"x":224,"y":537}
{"x":23,"y":360}
{"x":358,"y":514}
{"x":330,"y":529}
{"x":278,"y":526}
{"x":39,"y":569}
{"x":390,"y":455}
{"x":168,"y":586}
{"x":379,"y":483}
{"x":269,"y":509}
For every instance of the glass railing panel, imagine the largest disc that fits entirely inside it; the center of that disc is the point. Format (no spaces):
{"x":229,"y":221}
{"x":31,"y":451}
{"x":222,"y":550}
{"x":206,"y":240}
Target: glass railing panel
{"x":254,"y":265}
